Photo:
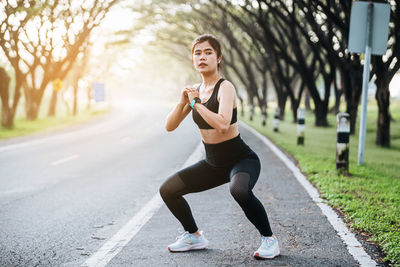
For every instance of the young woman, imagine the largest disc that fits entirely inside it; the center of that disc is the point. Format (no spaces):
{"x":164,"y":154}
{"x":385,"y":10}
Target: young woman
{"x":228,"y":158}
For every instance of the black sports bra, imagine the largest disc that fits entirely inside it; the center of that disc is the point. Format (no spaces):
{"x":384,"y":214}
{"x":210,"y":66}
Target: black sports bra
{"x":213,"y":105}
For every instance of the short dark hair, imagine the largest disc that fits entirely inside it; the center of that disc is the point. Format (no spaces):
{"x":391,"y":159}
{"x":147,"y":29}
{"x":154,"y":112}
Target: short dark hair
{"x":212,"y":39}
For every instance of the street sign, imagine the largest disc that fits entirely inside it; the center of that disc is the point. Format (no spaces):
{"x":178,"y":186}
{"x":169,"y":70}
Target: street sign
{"x":99,"y":94}
{"x":379,"y":28}
{"x":369,"y":23}
{"x":57,"y":85}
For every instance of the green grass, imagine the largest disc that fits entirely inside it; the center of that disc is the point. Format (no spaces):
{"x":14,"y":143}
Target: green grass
{"x":370,"y":196}
{"x":46,"y":124}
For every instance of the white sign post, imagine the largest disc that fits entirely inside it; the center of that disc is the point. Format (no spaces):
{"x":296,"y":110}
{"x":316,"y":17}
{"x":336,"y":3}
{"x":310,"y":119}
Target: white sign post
{"x":369,"y":26}
{"x":99,"y":93}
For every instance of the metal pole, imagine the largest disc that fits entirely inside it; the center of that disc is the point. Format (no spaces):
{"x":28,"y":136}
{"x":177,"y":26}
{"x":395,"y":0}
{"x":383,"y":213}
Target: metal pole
{"x":363,"y":122}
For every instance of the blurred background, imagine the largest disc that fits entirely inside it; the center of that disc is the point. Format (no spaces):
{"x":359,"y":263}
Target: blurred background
{"x":288,"y":53}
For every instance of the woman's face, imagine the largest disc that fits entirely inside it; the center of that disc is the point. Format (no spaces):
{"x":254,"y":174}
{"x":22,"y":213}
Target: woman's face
{"x":204,"y":57}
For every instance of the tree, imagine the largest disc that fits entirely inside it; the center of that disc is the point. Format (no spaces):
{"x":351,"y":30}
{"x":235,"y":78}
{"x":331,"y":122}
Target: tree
{"x":276,"y":20}
{"x":42,"y":39}
{"x":385,"y":68}
{"x":4,"y":95}
{"x":338,"y":12}
{"x":181,"y":22}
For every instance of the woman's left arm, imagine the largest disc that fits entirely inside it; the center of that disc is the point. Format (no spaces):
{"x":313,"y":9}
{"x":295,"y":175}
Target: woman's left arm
{"x":221,"y":120}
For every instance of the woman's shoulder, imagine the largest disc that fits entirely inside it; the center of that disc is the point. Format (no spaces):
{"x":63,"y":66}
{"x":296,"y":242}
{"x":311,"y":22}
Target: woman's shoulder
{"x":227,"y":85}
{"x":227,"y":89}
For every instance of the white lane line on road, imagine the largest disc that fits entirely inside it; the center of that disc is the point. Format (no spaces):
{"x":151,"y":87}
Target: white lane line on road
{"x":115,"y":244}
{"x":54,"y":163}
{"x":353,"y":246}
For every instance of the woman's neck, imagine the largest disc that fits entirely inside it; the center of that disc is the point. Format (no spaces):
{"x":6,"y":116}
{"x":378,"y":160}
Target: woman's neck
{"x":210,"y":79}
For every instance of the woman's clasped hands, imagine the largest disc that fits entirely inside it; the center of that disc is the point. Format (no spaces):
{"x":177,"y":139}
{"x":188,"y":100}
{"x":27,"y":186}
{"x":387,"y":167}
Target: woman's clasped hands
{"x":188,"y":94}
{"x":192,"y":93}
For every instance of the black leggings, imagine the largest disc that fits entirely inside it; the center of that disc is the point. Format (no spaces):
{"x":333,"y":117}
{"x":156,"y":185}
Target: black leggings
{"x":230,"y":161}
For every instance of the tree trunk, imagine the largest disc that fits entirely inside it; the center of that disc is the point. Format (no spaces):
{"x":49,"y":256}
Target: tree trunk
{"x":321,"y":112}
{"x":352,"y":110}
{"x":338,"y":95}
{"x":264,"y":115}
{"x":282,"y":104}
{"x":383,"y":124}
{"x":32,"y":112}
{"x":295,"y":105}
{"x":241,"y":105}
{"x":32,"y":106}
{"x":322,"y":118}
{"x":295,"y":102}
{"x":53,"y":104}
{"x":7,"y":118}
{"x":383,"y":127}
{"x":75,"y":107}
{"x":352,"y":85}
{"x":264,"y":100}
{"x":89,"y":95}
{"x":382,"y":95}
{"x":307,"y":100}
{"x":251,"y":103}
{"x":320,"y":109}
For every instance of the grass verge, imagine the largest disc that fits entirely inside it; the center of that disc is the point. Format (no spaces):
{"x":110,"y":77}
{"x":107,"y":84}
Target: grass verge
{"x":370,"y":196}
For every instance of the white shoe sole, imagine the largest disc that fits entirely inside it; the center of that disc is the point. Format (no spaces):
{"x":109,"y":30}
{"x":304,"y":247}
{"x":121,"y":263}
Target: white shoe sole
{"x":192,"y":247}
{"x":260,"y":257}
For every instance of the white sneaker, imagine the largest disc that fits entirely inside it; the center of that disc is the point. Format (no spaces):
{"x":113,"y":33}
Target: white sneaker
{"x":187,"y":241}
{"x":269,"y":248}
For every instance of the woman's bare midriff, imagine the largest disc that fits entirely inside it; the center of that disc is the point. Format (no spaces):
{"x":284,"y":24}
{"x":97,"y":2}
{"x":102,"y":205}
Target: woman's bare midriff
{"x":212,"y":136}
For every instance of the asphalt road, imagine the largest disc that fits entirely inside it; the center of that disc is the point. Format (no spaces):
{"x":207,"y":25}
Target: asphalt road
{"x":64,"y":194}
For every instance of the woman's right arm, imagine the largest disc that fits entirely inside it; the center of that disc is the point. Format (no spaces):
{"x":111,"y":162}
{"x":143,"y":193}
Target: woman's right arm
{"x":181,"y":110}
{"x":176,"y":116}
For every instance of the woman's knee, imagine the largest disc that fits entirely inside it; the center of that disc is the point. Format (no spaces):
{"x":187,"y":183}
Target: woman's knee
{"x":171,"y":186}
{"x":239,"y":194}
{"x":164,"y":190}
{"x":239,"y":187}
